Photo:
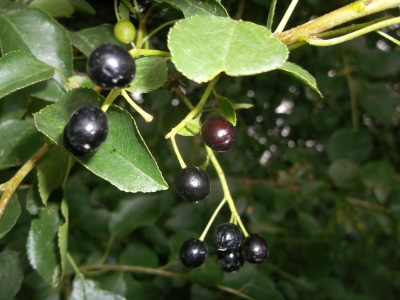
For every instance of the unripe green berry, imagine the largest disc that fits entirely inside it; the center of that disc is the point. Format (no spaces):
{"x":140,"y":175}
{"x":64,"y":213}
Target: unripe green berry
{"x":124,"y":31}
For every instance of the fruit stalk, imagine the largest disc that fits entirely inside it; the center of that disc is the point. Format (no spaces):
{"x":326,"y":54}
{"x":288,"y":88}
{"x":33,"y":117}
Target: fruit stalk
{"x":10,"y":186}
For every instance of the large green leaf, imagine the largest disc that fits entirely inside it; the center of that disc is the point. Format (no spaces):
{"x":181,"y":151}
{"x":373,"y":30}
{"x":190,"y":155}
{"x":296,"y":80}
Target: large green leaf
{"x":133,"y":213}
{"x":380,"y":177}
{"x":83,"y":289}
{"x":10,"y":216}
{"x":346,"y":143}
{"x":56,"y":8}
{"x":11,"y":274}
{"x":34,"y":31}
{"x":191,"y":8}
{"x":18,"y":141}
{"x":51,"y":170}
{"x":20,"y":69}
{"x":300,"y":74}
{"x":42,"y":247}
{"x":124,"y":159}
{"x":151,"y":73}
{"x":202,"y":47}
{"x":88,"y":39}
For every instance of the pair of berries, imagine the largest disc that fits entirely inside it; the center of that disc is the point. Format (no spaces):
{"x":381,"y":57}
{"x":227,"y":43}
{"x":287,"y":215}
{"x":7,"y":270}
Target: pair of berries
{"x":193,"y":183}
{"x":231,"y":251}
{"x":111,"y":67}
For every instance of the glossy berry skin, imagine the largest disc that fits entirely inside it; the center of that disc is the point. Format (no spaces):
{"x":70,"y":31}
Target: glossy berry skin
{"x":228,"y":236}
{"x":124,"y":31}
{"x":218,"y":133}
{"x":193,"y":252}
{"x":230,"y":260}
{"x":86,"y":130}
{"x":111,"y":66}
{"x":255,"y":249}
{"x":193,"y":184}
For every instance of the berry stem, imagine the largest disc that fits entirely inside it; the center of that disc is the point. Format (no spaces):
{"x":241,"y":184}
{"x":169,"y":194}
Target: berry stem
{"x":195,"y":111}
{"x":116,"y":10}
{"x":112,"y":95}
{"x":148,"y":52}
{"x":177,"y":153}
{"x":158,"y":29}
{"x":390,"y":38}
{"x":203,"y":235}
{"x":286,"y":16}
{"x":225,"y":188}
{"x":271,"y":14}
{"x":73,"y":264}
{"x":146,"y":116}
{"x":142,"y":26}
{"x":10,"y":186}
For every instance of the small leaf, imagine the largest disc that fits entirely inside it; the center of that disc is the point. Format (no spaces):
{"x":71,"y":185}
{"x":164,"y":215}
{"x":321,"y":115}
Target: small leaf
{"x":242,"y":106}
{"x":308,"y":223}
{"x":51,"y":170}
{"x":18,"y":141}
{"x":138,"y":254}
{"x":226,"y":109}
{"x":20,"y":69}
{"x":22,"y":29}
{"x":345,"y":143}
{"x":42,"y":247}
{"x":343,"y":173}
{"x":10,"y":216}
{"x":192,"y":127}
{"x":88,"y":39}
{"x":124,"y":159}
{"x":56,"y":8}
{"x":380,"y":177}
{"x":63,"y":235}
{"x":301,"y":75}
{"x":11,"y":274}
{"x":34,"y":203}
{"x":83,"y":6}
{"x":201,"y":7}
{"x":13,"y":106}
{"x":80,"y":81}
{"x":123,"y":11}
{"x":86,"y":289}
{"x":151,"y":73}
{"x":133,"y":213}
{"x":202,"y":47}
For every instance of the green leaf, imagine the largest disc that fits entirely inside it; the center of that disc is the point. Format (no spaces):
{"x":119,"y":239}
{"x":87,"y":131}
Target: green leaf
{"x":80,"y":81}
{"x":226,"y":109}
{"x":133,"y":213}
{"x":51,"y":170}
{"x":20,"y":69}
{"x":261,"y":287}
{"x":83,"y":289}
{"x":380,"y":177}
{"x":42,"y":247}
{"x":345,"y":143}
{"x":123,"y":11}
{"x":10,"y":216}
{"x":18,"y":141}
{"x":139,"y":254}
{"x":13,"y":106}
{"x":242,"y":105}
{"x":11,"y":274}
{"x":308,"y":223}
{"x":22,"y":29}
{"x":332,"y":288}
{"x":202,"y":47}
{"x":83,"y":6}
{"x":300,"y":74}
{"x":56,"y":8}
{"x":34,"y":203}
{"x":192,"y":8}
{"x":343,"y":172}
{"x":192,"y":127}
{"x":209,"y":273}
{"x":151,"y":73}
{"x":63,"y":235}
{"x":87,"y":40}
{"x":124,"y":159}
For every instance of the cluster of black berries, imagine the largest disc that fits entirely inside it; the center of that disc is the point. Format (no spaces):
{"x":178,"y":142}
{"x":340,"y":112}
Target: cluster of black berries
{"x":110,"y":67}
{"x":232,"y":250}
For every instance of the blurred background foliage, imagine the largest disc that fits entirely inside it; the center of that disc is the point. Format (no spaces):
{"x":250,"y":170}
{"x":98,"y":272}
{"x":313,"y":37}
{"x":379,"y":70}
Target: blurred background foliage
{"x":318,"y":178}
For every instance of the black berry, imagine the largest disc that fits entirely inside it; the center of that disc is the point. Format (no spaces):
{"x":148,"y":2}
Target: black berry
{"x":218,"y":133}
{"x":193,"y":253}
{"x":193,"y":184}
{"x":230,"y":261}
{"x":86,"y":130}
{"x":228,"y":236}
{"x":111,"y":66}
{"x":255,"y":249}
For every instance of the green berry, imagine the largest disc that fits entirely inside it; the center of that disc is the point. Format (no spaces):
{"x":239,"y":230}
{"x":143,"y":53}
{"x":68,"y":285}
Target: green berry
{"x":124,"y":31}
